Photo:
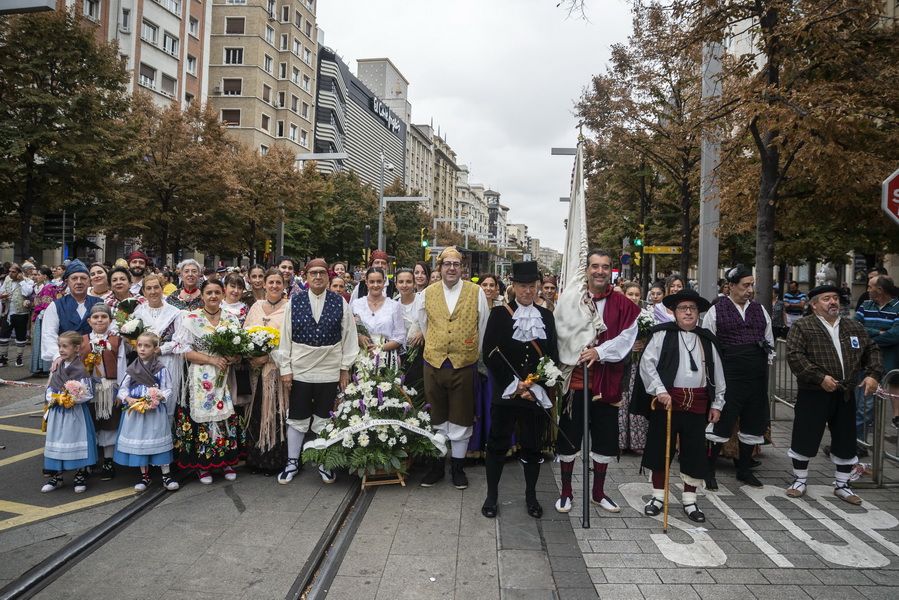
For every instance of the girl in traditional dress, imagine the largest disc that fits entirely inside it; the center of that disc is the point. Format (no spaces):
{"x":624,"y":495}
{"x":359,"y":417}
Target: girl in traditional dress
{"x":163,"y":319}
{"x":490,"y":284}
{"x":71,"y":444}
{"x":632,"y":428}
{"x":412,"y":356}
{"x":422,"y":274}
{"x":381,"y":316}
{"x":673,"y":284}
{"x":234,"y":291}
{"x":45,"y":293}
{"x":99,"y":275}
{"x":266,"y":445}
{"x":145,"y":437}
{"x":188,"y":297}
{"x":256,"y":279}
{"x":103,"y":353}
{"x":207,"y":432}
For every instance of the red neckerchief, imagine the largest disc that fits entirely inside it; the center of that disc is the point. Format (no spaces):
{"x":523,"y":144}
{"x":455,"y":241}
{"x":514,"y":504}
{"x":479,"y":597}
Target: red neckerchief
{"x":603,"y":295}
{"x":189,"y":292}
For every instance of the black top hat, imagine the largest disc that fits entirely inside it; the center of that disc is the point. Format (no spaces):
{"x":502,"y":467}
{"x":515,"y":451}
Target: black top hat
{"x":686,"y":295}
{"x":525,"y":272}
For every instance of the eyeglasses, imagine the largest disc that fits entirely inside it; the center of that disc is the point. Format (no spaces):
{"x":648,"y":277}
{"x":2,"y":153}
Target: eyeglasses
{"x":687,"y":309}
{"x":452,"y":264}
{"x":317,"y":273}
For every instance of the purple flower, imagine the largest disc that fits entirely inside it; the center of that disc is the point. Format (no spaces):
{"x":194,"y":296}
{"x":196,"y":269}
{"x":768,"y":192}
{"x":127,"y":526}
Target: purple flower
{"x":427,"y":406}
{"x":362,"y":405}
{"x":331,"y":413}
{"x":406,"y":408}
{"x":377,"y":360}
{"x":355,"y":378}
{"x":380,"y":397}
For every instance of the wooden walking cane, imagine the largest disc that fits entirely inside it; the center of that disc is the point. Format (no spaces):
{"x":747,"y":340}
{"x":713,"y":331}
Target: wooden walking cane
{"x":585,"y":452}
{"x":667,"y":466}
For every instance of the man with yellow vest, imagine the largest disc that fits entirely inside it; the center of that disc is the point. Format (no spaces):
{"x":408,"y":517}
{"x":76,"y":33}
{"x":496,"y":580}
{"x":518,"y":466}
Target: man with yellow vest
{"x":452,"y":318}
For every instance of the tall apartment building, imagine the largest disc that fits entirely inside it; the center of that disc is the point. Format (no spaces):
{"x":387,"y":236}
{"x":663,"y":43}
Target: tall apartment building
{"x":262,"y":71}
{"x":419,"y":162}
{"x":443,"y":191}
{"x":497,"y":217}
{"x":471,"y":208}
{"x":352,"y":118}
{"x":517,"y":234}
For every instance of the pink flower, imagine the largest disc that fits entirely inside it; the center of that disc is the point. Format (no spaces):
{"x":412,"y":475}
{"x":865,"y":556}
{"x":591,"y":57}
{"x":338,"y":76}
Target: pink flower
{"x":207,"y":385}
{"x":220,"y":405}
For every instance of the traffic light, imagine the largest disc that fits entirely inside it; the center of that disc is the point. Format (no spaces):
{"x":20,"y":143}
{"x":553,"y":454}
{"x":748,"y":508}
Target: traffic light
{"x":641,"y":233}
{"x":425,"y":234}
{"x":427,"y":254}
{"x":268,"y":246}
{"x":635,"y":257}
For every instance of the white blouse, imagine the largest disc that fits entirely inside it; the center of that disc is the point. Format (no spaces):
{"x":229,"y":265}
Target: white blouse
{"x":387,"y":322}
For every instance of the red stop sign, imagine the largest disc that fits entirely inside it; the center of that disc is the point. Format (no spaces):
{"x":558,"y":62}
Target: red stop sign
{"x":890,"y":201}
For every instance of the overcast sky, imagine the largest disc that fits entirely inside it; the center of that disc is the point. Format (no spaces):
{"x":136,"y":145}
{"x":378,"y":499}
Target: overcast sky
{"x":499,"y":77}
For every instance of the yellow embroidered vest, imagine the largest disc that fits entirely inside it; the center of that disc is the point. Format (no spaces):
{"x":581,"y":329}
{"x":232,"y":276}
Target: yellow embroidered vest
{"x":452,"y":336}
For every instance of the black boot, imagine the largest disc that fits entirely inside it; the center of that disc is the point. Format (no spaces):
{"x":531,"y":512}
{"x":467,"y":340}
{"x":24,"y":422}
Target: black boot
{"x":711,"y":484}
{"x":107,"y":471}
{"x":457,"y":469}
{"x":744,"y":466}
{"x":531,"y":474}
{"x":494,"y":464}
{"x":435,"y":472}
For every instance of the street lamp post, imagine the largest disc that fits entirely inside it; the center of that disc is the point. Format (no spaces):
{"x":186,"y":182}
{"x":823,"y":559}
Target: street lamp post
{"x":382,"y":206}
{"x":300,"y":158}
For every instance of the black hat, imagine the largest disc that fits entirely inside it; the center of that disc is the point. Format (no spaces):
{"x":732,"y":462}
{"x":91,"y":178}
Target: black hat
{"x":525,"y":272}
{"x":737,"y":273}
{"x":686,"y":295}
{"x":823,"y":289}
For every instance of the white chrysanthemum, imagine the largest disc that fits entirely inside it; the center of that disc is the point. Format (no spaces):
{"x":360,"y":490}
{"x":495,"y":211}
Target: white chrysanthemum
{"x":402,"y":439}
{"x":422,"y":415}
{"x":413,"y":421}
{"x":348,"y":442}
{"x":382,"y":437}
{"x":385,"y":386}
{"x":391,"y":442}
{"x":363,"y":439}
{"x":355,"y":420}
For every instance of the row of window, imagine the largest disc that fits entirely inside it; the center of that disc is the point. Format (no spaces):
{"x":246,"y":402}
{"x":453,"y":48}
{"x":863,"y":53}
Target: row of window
{"x":234,"y":56}
{"x":237,"y":26}
{"x":149,"y":32}
{"x":193,"y":27}
{"x":231,"y":117}
{"x":234,"y":87}
{"x":150,"y":78}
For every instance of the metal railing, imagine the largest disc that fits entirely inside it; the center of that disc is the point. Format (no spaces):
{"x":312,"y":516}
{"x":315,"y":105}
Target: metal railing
{"x":782,"y":386}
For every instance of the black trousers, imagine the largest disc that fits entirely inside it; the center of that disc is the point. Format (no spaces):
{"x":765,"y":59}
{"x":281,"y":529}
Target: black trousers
{"x":531,"y":422}
{"x":817,"y":409}
{"x":746,"y":398}
{"x":603,"y":426}
{"x":687,"y":441}
{"x":308,"y":399}
{"x":18,"y":325}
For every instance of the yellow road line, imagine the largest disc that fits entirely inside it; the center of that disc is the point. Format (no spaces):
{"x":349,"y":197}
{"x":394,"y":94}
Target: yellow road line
{"x":23,"y":456}
{"x":29,"y":513}
{"x":17,"y":429}
{"x":24,"y":414}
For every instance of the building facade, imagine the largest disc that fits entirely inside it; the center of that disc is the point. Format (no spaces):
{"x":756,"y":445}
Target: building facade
{"x":443,"y":197}
{"x":262,"y":71}
{"x":419,"y":161}
{"x":351,"y":118}
{"x":471,"y":208}
{"x":497,"y":216}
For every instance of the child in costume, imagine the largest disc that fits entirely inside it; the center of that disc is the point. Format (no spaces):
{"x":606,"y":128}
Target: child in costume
{"x":145,"y":437}
{"x":71,"y":444}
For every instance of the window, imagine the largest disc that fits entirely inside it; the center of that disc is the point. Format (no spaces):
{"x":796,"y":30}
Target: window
{"x":282,"y":71}
{"x":266,"y":93}
{"x":149,"y":32}
{"x":194,"y":27}
{"x":271,"y":8}
{"x":292,"y":132}
{"x":305,"y":112}
{"x":308,"y":30}
{"x":235,"y":25}
{"x":92,"y":9}
{"x":191,"y":64}
{"x":280,"y":129}
{"x":295,"y":75}
{"x":266,"y":122}
{"x":231,"y":116}
{"x":126,"y":19}
{"x":170,"y":43}
{"x":307,"y":56}
{"x":294,"y":102}
{"x":307,"y":83}
{"x":310,"y":4}
{"x":188,"y":98}
{"x":232,"y":87}
{"x":263,"y":149}
{"x":147,"y":76}
{"x":297,"y":47}
{"x":233,"y":56}
{"x":168,"y":85}
{"x":285,"y":40}
{"x":285,"y":14}
{"x":173,"y":6}
{"x":304,"y":138}
{"x":270,"y":34}
{"x":281,"y":100}
{"x":268,"y":63}
{"x":297,"y":19}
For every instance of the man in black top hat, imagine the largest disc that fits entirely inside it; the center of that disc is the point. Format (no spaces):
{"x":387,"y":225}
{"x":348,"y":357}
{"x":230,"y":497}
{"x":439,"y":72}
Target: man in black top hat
{"x":681,"y":369}
{"x":516,"y":337}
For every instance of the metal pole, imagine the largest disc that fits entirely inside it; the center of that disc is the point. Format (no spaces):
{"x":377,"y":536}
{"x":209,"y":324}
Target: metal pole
{"x":381,"y":208}
{"x":280,"y":242}
{"x":881,"y":415}
{"x":653,"y":274}
{"x":585,"y":452}
{"x":709,"y":212}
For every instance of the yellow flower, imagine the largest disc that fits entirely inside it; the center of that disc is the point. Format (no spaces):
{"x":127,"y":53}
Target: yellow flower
{"x":203,"y":436}
{"x":185,"y":426}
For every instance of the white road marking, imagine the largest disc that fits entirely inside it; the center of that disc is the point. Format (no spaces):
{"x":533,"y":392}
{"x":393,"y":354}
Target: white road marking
{"x":866,"y":522}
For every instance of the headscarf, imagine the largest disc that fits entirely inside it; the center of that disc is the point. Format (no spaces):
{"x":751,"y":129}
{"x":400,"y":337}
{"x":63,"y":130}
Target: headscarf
{"x":144,"y":373}
{"x":63,"y":374}
{"x":75,"y":266}
{"x":375,"y":255}
{"x":138,"y":254}
{"x":318,"y":262}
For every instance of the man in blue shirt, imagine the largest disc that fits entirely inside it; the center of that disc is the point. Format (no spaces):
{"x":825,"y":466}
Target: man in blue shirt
{"x":794,"y":303}
{"x":880,"y":317}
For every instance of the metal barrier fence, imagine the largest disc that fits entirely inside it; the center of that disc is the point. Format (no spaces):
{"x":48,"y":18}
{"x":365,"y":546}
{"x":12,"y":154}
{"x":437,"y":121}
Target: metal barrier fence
{"x":878,"y":413}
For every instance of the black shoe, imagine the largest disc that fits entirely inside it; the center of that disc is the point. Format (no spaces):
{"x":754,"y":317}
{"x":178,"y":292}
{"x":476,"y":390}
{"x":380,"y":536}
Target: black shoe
{"x":460,"y":481}
{"x":434,"y":474}
{"x":534,"y":508}
{"x":749,"y":479}
{"x":489,"y":510}
{"x":107,"y":471}
{"x":711,"y":484}
{"x":653,"y":507}
{"x":696,"y":515}
{"x":19,"y":361}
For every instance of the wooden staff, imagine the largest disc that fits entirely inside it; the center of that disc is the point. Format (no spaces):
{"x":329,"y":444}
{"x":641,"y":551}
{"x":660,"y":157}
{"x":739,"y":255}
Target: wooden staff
{"x":667,"y":467}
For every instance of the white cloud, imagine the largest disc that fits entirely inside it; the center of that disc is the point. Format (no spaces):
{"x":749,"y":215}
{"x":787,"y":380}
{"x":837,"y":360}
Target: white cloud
{"x":500,"y":78}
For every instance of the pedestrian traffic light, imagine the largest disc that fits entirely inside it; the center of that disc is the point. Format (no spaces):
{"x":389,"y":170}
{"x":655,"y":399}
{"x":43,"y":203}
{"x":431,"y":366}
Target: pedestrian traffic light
{"x":425,"y":234}
{"x":638,"y":239}
{"x":635,"y":257}
{"x":268,"y":246}
{"x":427,"y":254}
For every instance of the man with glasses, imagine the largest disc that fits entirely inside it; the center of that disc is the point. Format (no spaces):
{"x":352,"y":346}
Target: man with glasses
{"x":452,"y":319}
{"x":746,"y":339}
{"x":317,"y":349}
{"x":681,"y":371}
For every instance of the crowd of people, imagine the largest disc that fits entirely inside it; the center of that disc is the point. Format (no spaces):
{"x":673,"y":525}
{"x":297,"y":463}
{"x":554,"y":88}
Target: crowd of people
{"x":162,"y":397}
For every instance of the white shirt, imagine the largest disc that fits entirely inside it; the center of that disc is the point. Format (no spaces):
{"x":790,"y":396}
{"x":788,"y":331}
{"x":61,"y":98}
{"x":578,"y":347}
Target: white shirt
{"x":709,"y":322}
{"x":318,"y":364}
{"x":410,"y":314}
{"x":834,"y":331}
{"x":617,"y":348}
{"x":689,"y":344}
{"x":451,"y":295}
{"x":387,"y":322}
{"x":136,"y":287}
{"x":50,"y":330}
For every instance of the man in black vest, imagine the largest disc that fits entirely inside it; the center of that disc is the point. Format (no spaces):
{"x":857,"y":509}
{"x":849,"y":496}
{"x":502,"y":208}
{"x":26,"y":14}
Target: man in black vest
{"x":516,"y":337}
{"x":680,"y":369}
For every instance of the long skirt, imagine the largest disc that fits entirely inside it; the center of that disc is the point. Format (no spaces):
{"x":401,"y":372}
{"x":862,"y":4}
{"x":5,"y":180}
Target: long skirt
{"x":266,"y":430}
{"x":37,"y":365}
{"x":477,"y":445}
{"x":71,"y":442}
{"x":205,"y":446}
{"x":631,"y":428}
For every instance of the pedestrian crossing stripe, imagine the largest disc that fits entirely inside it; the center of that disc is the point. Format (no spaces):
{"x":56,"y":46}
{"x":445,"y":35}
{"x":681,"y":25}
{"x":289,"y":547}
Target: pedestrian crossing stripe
{"x":28,"y":513}
{"x":17,"y":429}
{"x":24,"y":414}
{"x":24,"y":456}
